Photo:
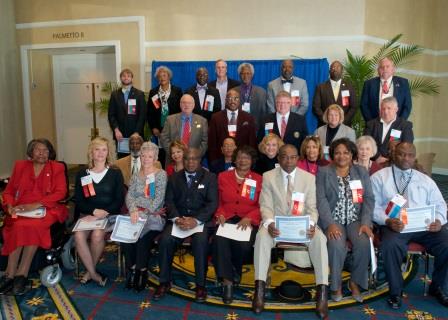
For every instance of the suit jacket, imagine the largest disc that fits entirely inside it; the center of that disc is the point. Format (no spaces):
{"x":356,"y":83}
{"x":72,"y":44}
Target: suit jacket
{"x":173,"y":127}
{"x":154,"y":114}
{"x":124,"y":164}
{"x":275,"y":86}
{"x":343,"y":132}
{"x":197,"y":105}
{"x":374,"y":128}
{"x":118,"y":112}
{"x":327,"y":190}
{"x":324,"y":97}
{"x":257,"y":100}
{"x":230,"y":83}
{"x":370,"y":99}
{"x":199,"y":201}
{"x":273,"y":200}
{"x":296,"y":129}
{"x":218,"y":131}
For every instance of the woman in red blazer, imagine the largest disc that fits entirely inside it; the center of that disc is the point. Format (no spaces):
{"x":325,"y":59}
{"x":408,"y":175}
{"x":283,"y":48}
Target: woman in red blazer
{"x":239,"y":191}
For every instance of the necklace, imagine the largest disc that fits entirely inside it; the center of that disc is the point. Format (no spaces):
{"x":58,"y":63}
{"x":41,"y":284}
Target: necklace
{"x":238,"y":177}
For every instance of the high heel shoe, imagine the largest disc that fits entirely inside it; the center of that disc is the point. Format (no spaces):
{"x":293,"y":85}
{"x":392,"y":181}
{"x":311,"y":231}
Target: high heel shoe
{"x":103,"y":281}
{"x":357,"y":296}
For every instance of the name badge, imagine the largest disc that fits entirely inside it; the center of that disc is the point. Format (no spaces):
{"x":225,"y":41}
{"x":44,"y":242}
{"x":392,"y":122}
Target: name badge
{"x":268,"y":127}
{"x":87,"y":186}
{"x":298,"y":203}
{"x":249,"y":189}
{"x":357,"y":191}
{"x":150,"y":186}
{"x":277,"y":165}
{"x":209,"y":103}
{"x":394,"y":206}
{"x":156,"y":101}
{"x":295,"y":98}
{"x":395,"y":135}
{"x":132,"y":106}
{"x":232,"y":130}
{"x":345,"y":94}
{"x":327,"y":153}
{"x":246,"y":107}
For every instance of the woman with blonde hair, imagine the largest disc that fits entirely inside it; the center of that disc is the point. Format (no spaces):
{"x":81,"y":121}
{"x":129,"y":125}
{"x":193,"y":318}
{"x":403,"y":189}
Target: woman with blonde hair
{"x":268,"y":148}
{"x":99,"y":192}
{"x":334,"y":128}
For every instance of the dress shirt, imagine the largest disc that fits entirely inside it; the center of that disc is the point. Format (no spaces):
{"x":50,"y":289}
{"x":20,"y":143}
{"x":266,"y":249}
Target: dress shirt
{"x":202,"y":90}
{"x":287,"y":85}
{"x":279,"y":119}
{"x":336,"y":85}
{"x":386,"y":127}
{"x":229,"y":114}
{"x":222,"y":88}
{"x":421,"y":191}
{"x":382,"y":95}
{"x":137,"y":164}
{"x":285,"y":177}
{"x":97,"y":177}
{"x":184,"y":117}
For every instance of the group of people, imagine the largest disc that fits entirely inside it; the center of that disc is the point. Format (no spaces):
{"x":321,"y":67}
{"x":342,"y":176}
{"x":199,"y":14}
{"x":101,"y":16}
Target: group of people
{"x":344,"y":185}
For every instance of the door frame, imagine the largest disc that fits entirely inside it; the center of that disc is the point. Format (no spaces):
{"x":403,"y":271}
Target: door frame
{"x":24,"y":57}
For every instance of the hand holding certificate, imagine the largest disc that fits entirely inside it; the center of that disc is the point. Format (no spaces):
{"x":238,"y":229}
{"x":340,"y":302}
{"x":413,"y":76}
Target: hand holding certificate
{"x":418,"y":219}
{"x":125,"y":231}
{"x":179,"y":233}
{"x":36,"y":213}
{"x":90,"y":223}
{"x":292,"y":229}
{"x":231,"y":231}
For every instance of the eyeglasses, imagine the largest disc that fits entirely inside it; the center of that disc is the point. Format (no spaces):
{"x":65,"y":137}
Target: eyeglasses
{"x":192,"y":158}
{"x":285,"y":157}
{"x":232,"y":98}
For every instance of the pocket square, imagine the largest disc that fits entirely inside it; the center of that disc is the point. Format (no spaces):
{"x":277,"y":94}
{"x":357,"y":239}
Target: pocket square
{"x":245,"y":123}
{"x":201,"y":186}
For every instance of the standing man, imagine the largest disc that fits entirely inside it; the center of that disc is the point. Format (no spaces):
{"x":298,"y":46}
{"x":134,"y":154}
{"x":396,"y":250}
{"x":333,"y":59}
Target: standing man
{"x":231,"y":122}
{"x":294,"y":85}
{"x":252,"y":97}
{"x":418,"y":190}
{"x":127,"y":109}
{"x":335,"y":91}
{"x":289,"y":126}
{"x":383,"y":86}
{"x":191,"y":200}
{"x":222,"y":82}
{"x":206,"y":98}
{"x":279,"y":185}
{"x":186,"y":126}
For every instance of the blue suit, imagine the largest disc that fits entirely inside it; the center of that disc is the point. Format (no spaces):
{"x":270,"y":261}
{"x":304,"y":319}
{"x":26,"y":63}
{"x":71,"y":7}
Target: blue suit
{"x":370,"y":98}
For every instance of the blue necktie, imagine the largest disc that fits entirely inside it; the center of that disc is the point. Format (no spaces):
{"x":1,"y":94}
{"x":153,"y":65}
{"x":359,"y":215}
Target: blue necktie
{"x":126,"y":95}
{"x":190,"y":180}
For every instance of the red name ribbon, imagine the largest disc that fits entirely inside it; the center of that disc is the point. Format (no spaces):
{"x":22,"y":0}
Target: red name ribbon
{"x":295,"y":98}
{"x":394,"y":206}
{"x":87,"y":186}
{"x":232,"y":130}
{"x":208,"y":103}
{"x":357,"y":191}
{"x":156,"y":101}
{"x":249,"y":189}
{"x":150,"y":187}
{"x":298,"y":203}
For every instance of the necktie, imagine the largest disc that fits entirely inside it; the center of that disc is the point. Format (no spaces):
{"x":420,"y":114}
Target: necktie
{"x":289,"y":190}
{"x":186,"y":132}
{"x":402,"y":183}
{"x":232,"y":118}
{"x":126,"y":95}
{"x":190,"y":179}
{"x":335,"y":92}
{"x":283,"y":128}
{"x":385,"y":87}
{"x":134,"y":166}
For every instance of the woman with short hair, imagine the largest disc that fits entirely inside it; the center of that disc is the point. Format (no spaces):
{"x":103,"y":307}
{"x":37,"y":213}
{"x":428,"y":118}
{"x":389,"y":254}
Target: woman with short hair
{"x":334,"y":128}
{"x":268,"y":148}
{"x":367,"y":149}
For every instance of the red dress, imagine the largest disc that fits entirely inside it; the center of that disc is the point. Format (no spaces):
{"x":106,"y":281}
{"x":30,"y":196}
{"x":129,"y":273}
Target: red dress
{"x":24,"y":188}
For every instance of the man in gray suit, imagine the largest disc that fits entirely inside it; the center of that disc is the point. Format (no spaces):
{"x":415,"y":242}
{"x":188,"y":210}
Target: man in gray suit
{"x":190,"y":128}
{"x":279,"y":185}
{"x":252,"y":97}
{"x":294,"y":85}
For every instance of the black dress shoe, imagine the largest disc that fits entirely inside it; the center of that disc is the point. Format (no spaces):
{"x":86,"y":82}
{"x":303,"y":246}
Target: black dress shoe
{"x":6,"y":285}
{"x":161,"y":291}
{"x":227,"y":293}
{"x":440,"y":295}
{"x":141,"y":280}
{"x":20,"y":286}
{"x":258,"y":301}
{"x":130,"y":278}
{"x":322,"y":301}
{"x":201,"y":294}
{"x":394,"y":302}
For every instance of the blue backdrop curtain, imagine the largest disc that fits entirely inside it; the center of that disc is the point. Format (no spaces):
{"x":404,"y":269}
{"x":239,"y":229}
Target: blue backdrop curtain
{"x":314,"y":71}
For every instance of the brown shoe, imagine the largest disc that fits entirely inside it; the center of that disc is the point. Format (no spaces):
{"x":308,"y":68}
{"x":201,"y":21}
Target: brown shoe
{"x":201,"y":294}
{"x":258,"y":301}
{"x":322,"y":301}
{"x":161,"y":291}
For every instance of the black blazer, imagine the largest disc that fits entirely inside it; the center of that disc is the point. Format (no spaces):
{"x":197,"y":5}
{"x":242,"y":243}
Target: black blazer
{"x":199,"y":201}
{"x":154,"y":114}
{"x":296,"y":129}
{"x":374,"y":128}
{"x":230,"y":83}
{"x":197,"y":105}
{"x":118,"y":112}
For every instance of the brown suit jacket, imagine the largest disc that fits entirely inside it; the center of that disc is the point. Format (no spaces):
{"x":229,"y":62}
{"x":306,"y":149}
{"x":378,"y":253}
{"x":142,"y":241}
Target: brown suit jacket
{"x":124,"y":164}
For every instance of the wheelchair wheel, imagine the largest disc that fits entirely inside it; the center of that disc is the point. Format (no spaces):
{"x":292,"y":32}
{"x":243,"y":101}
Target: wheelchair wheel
{"x":68,"y":254}
{"x":51,"y":275}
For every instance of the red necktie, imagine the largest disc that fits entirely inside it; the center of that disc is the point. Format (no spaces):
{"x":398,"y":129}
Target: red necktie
{"x":385,"y":87}
{"x":283,"y":128}
{"x":186,"y":133}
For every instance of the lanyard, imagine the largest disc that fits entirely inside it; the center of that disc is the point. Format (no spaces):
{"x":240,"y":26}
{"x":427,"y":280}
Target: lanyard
{"x":406,"y":185}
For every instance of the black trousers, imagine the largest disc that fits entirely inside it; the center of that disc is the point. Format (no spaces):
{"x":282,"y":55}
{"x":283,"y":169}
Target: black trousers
{"x":394,"y":249}
{"x":167,"y":246}
{"x":138,"y":253}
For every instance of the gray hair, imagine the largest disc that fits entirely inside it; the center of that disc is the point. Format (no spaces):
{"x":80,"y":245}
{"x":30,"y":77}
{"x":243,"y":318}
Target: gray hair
{"x":392,"y":100}
{"x":367,"y":139}
{"x":246,"y":65}
{"x":163,"y":68}
{"x":150,"y":147}
{"x":220,"y":60}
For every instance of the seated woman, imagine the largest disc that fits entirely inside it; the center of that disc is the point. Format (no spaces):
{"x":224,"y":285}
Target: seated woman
{"x":311,"y":155}
{"x":237,"y":205}
{"x":334,"y":127}
{"x":99,"y":192}
{"x":177,"y":151}
{"x":345,"y":204}
{"x":225,"y":162}
{"x":268,"y":148}
{"x":145,"y":201}
{"x":35,"y":183}
{"x":366,"y":150}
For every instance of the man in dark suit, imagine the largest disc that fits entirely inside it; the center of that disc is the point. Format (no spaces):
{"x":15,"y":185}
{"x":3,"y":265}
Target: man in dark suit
{"x":222,"y":82}
{"x":388,"y":127}
{"x":231,"y":122}
{"x":191,"y":200}
{"x":386,"y":85}
{"x":127,"y":109}
{"x":206,"y":98}
{"x":335,"y":91}
{"x":289,"y":126}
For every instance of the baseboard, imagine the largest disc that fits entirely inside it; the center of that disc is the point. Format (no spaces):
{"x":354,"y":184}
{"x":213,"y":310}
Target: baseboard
{"x":442,"y":171}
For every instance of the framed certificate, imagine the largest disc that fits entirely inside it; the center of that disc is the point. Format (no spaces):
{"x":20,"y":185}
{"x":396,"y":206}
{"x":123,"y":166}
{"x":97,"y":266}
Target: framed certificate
{"x":86,"y":224}
{"x":125,"y":231}
{"x":292,"y":229}
{"x":123,"y":146}
{"x":419,"y":219}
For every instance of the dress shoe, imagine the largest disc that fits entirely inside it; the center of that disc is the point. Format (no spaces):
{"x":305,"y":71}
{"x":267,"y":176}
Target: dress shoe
{"x":227,"y":293}
{"x":140,"y":281}
{"x":336,"y":296}
{"x":322,"y":301}
{"x":161,"y":291}
{"x":394,"y":302}
{"x":201,"y":294}
{"x":20,"y":286}
{"x":439,"y":294}
{"x":258,"y":301}
{"x":130,"y":278}
{"x":6,"y":285}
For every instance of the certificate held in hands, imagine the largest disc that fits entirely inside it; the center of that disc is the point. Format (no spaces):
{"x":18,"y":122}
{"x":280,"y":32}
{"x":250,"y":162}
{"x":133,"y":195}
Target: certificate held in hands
{"x":418,"y":219}
{"x":84,"y":224}
{"x":125,"y":231}
{"x":35,"y":214}
{"x":292,"y":229}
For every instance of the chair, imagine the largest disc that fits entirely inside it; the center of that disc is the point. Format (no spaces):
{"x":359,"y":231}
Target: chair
{"x":419,"y":250}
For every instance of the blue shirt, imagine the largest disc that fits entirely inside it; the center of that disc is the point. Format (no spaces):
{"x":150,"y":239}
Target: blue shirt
{"x":421,"y":191}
